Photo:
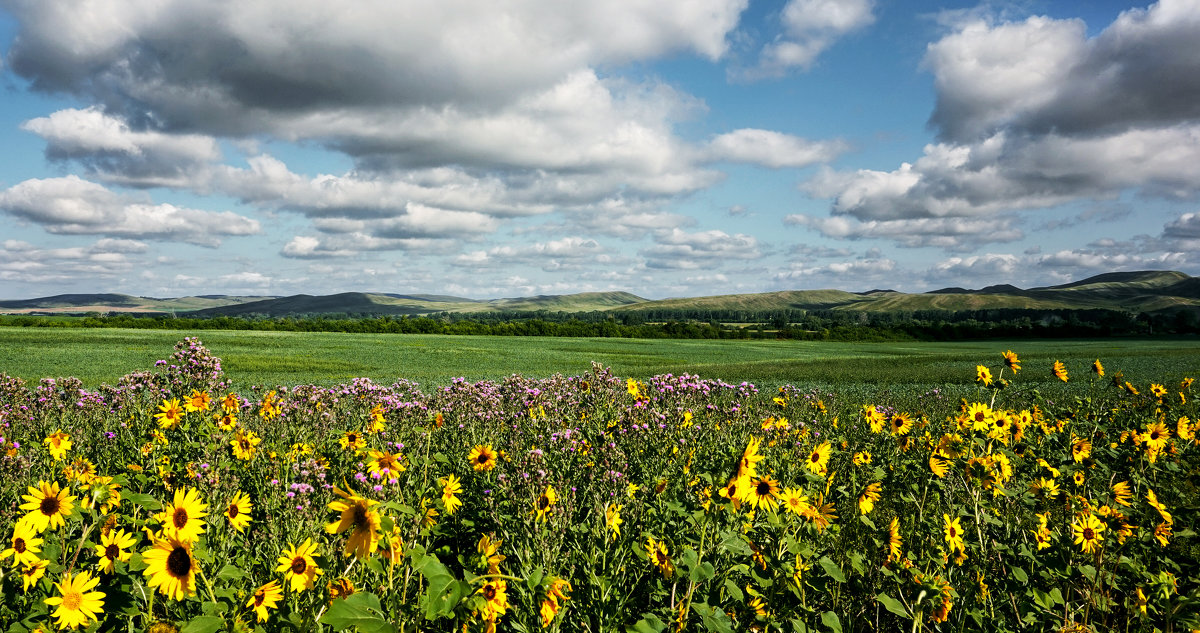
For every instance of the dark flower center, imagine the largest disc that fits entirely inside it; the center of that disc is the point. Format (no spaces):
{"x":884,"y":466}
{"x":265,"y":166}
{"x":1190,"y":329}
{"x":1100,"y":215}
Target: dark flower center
{"x":19,"y":545}
{"x":298,"y":565}
{"x":816,"y":457}
{"x":1088,"y":534}
{"x":259,"y":597}
{"x":179,"y":562}
{"x":763,"y":489}
{"x":953,"y":532}
{"x":180,"y":518}
{"x":352,"y":439}
{"x":483,"y":458}
{"x":360,"y":515}
{"x":50,"y":506}
{"x":489,"y":592}
{"x":233,"y":511}
{"x":112,"y":551}
{"x":543,"y":502}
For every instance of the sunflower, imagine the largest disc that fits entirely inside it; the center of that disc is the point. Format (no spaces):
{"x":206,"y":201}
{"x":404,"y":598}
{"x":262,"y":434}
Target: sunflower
{"x":1158,"y":390}
{"x":112,"y":548}
{"x":25,"y":545}
{"x":1183,"y":428}
{"x":794,"y":500}
{"x":230,"y":402}
{"x":821,"y":514}
{"x":1079,"y":477}
{"x":1087,"y":530}
{"x":58,"y":443}
{"x":1081,"y":448}
{"x":183,"y":517}
{"x":874,"y":418}
{"x":391,"y":546}
{"x":902,"y":423}
{"x":1044,"y":488}
{"x":482,"y":457}
{"x":556,"y":594}
{"x":238,"y":511}
{"x":1152,"y":499}
{"x":895,"y":544}
{"x":76,"y":604}
{"x":264,"y":598}
{"x":866,"y":502}
{"x":1156,"y":436}
{"x":954,"y":533}
{"x":748,"y":464}
{"x":450,"y":489}
{"x":1011,"y":361}
{"x":545,"y":501}
{"x":226,"y":421}
{"x":818,"y":459}
{"x":763,"y":492}
{"x":339,"y":588}
{"x":495,"y":596}
{"x":103,"y":491}
{"x":197,"y":401}
{"x":938,"y":464}
{"x":299,"y":567}
{"x":171,"y":568}
{"x":1098,"y":369}
{"x":489,"y":553}
{"x":358,"y":517}
{"x":48,"y":506}
{"x":1162,"y":533}
{"x":352,"y":441}
{"x":245,"y":444}
{"x":612,"y":519}
{"x":386,"y":465}
{"x":1060,"y":371}
{"x":31,"y":573}
{"x":169,"y":414}
{"x":660,"y":557}
{"x":1121,"y":493}
{"x":983,"y":375}
{"x":979,"y":416}
{"x":268,"y":408}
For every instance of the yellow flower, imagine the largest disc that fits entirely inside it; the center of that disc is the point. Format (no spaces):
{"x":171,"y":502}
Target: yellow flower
{"x":983,"y":375}
{"x":1081,"y":448}
{"x":339,"y":588}
{"x":183,"y":517}
{"x":556,"y":594}
{"x":386,"y":465}
{"x":1098,"y":369}
{"x":866,"y":502}
{"x":489,"y":551}
{"x":818,"y":459}
{"x":795,"y":501}
{"x":112,"y":548}
{"x":1158,"y":390}
{"x":482,"y":458}
{"x":895,"y":544}
{"x":171,"y":568}
{"x":230,"y":402}
{"x":245,"y":444}
{"x":612,"y":519}
{"x":874,"y":418}
{"x":1152,"y":499}
{"x":1121,"y":493}
{"x":938,"y":464}
{"x":545,"y":501}
{"x":1011,"y":361}
{"x":1156,"y":436}
{"x":76,"y":604}
{"x":197,"y":401}
{"x":1060,"y":371}
{"x":25,"y":545}
{"x":299,"y":567}
{"x":31,"y":573}
{"x":268,"y":408}
{"x":748,"y":464}
{"x":1162,"y":533}
{"x":660,"y":557}
{"x":169,"y":415}
{"x":901,"y":424}
{"x":48,"y":506}
{"x":763,"y":492}
{"x":58,"y":443}
{"x":238,"y":511}
{"x":495,"y":596}
{"x":358,"y":517}
{"x":1088,"y":531}
{"x":862,"y":458}
{"x":264,"y":598}
{"x":979,"y":416}
{"x":450,"y":488}
{"x":954,"y":533}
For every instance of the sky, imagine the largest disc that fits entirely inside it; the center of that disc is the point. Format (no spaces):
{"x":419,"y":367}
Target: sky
{"x":668,"y":148}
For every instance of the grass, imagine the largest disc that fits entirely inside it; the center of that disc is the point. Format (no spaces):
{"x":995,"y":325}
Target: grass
{"x":103,"y":355}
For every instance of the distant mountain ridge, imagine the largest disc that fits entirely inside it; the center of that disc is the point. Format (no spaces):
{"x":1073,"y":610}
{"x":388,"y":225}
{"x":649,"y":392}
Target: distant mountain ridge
{"x":1137,"y":291}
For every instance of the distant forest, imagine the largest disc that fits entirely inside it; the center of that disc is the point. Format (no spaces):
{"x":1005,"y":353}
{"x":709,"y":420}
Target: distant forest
{"x":828,"y":325}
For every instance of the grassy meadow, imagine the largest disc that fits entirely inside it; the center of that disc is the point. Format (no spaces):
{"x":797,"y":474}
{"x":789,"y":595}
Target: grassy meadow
{"x":290,"y":358}
{"x":885,"y":487}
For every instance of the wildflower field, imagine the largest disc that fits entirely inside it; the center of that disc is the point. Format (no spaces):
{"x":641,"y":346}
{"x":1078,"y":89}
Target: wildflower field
{"x":173,"y":501}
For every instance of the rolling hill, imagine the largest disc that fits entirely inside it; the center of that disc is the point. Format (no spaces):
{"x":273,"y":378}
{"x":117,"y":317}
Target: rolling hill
{"x":1140,"y":291}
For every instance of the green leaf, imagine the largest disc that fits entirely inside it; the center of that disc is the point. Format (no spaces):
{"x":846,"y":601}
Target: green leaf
{"x":360,"y":610}
{"x":702,"y":572}
{"x":146,"y":501}
{"x":892,"y":604}
{"x":856,"y":561}
{"x":736,"y":545}
{"x":1020,"y":575}
{"x":733,"y":590}
{"x":830,"y":619}
{"x":648,"y":624}
{"x":832,"y":569}
{"x":867,"y":522}
{"x":444,"y":592}
{"x":231,"y":572}
{"x":714,"y":620}
{"x":204,"y":624}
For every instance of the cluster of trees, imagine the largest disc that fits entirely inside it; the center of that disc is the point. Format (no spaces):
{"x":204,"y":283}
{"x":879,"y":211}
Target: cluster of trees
{"x":835,"y":325}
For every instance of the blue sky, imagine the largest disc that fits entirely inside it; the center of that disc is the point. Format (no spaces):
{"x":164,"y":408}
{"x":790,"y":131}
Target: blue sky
{"x":662,"y":147}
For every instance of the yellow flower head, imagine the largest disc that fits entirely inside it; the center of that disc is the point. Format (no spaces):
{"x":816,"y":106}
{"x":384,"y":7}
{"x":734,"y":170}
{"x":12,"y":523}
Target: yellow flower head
{"x":238,"y":511}
{"x":24,"y":546}
{"x":983,"y":375}
{"x":48,"y":505}
{"x":482,"y":458}
{"x":299,"y":567}
{"x":545,"y":501}
{"x":183,"y":517}
{"x":265,"y":598}
{"x":58,"y":443}
{"x":1060,"y":371}
{"x":171,"y":568}
{"x":358,"y":516}
{"x":818,"y":459}
{"x":76,"y":603}
{"x":1088,"y":531}
{"x":1011,"y":361}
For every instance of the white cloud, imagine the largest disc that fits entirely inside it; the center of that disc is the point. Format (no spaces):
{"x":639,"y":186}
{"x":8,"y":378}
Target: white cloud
{"x":988,"y":266}
{"x":772,"y":149}
{"x":809,"y":28}
{"x":841,"y":275}
{"x":678,"y":249}
{"x":74,"y":206}
{"x":568,"y":253}
{"x":946,"y":233}
{"x":1186,"y":227}
{"x":106,"y":259}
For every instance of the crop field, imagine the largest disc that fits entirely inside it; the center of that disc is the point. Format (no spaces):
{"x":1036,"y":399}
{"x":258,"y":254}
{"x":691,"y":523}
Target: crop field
{"x":312,"y":482}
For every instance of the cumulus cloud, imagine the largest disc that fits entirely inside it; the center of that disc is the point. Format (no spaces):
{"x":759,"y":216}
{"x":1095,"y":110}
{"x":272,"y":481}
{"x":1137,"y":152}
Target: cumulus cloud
{"x":562,"y":254}
{"x":73,"y":206}
{"x":841,"y":275}
{"x":809,"y":28}
{"x":988,"y":266}
{"x":106,"y":259}
{"x":113,"y":152}
{"x":1185,"y":227}
{"x":1043,"y":75}
{"x":772,"y":149}
{"x":678,"y":249}
{"x":946,"y":233}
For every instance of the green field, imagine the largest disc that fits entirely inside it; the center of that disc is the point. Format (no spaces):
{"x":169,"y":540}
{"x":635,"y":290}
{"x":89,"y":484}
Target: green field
{"x":269,"y":358}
